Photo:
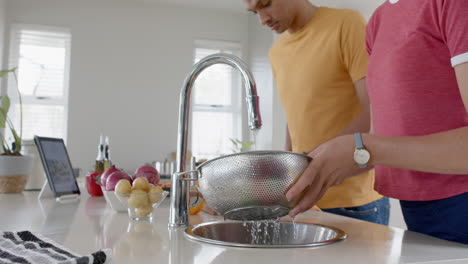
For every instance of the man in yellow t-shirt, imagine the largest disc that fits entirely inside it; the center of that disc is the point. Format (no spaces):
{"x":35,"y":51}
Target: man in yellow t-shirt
{"x":319,"y":65}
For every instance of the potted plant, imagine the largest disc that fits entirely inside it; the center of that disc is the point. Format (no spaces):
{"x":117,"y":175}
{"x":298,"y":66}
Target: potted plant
{"x":15,"y":168}
{"x":240,"y":146}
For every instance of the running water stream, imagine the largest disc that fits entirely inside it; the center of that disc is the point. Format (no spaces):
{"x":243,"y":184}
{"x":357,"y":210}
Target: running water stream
{"x":265,"y":232}
{"x":294,"y":228}
{"x":253,"y":137}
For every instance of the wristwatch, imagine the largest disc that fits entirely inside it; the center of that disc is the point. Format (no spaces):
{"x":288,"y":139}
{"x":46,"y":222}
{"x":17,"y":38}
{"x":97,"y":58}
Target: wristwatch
{"x":361,"y":155}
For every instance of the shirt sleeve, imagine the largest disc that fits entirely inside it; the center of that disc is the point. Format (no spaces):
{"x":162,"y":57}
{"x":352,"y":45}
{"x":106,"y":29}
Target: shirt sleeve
{"x":353,"y":45}
{"x":453,"y":23}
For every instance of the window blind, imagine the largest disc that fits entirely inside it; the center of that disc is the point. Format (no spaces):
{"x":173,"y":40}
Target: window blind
{"x":42,"y":56}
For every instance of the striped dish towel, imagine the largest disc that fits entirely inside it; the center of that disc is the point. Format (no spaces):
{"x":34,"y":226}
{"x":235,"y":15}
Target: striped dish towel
{"x":26,"y":247}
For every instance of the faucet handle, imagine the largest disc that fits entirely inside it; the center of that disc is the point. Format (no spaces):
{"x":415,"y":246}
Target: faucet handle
{"x":192,"y":175}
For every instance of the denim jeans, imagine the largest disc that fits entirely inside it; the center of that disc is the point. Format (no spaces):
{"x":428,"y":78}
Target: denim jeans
{"x":446,"y":218}
{"x":376,"y":212}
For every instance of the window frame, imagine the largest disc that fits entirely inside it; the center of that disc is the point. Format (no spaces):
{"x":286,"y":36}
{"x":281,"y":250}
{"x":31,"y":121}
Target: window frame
{"x":14,"y":59}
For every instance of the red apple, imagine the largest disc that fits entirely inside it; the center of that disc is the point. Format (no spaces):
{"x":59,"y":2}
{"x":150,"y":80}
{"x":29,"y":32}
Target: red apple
{"x":91,"y":184}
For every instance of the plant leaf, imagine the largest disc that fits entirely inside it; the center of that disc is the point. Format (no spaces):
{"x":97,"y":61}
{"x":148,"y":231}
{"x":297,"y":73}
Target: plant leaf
{"x":247,"y":145}
{"x":5,"y":102}
{"x":5,"y":147}
{"x":5,"y":72}
{"x":233,"y":142}
{"x":17,"y":141}
{"x":4,"y":120}
{"x":4,"y":107}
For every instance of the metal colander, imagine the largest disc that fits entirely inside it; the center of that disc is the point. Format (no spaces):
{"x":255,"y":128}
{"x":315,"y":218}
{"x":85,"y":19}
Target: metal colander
{"x":251,"y":185}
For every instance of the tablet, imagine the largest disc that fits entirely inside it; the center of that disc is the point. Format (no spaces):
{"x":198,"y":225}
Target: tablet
{"x":57,"y":166}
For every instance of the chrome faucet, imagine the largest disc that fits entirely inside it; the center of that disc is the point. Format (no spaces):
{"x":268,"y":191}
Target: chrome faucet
{"x":179,"y":186}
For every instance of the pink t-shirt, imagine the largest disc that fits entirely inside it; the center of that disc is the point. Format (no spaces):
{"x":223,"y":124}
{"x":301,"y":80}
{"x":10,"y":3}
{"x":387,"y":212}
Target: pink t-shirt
{"x":413,"y":47}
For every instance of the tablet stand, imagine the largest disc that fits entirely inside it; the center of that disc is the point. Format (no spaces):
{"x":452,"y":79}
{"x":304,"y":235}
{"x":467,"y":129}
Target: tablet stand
{"x":46,"y":193}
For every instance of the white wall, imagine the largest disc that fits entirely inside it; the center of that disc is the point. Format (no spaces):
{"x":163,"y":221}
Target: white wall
{"x":280,"y":122}
{"x":365,"y":7}
{"x":259,"y":44}
{"x":127,"y":67}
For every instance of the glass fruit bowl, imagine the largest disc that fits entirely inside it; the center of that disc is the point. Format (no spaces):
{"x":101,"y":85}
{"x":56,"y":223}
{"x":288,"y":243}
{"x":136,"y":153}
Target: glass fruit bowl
{"x":140,"y":204}
{"x":114,"y":202}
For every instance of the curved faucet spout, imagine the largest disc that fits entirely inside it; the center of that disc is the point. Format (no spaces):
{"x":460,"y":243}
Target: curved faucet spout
{"x":179,"y":188}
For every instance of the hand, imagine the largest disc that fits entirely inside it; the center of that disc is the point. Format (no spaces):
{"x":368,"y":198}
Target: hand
{"x":332,"y":163}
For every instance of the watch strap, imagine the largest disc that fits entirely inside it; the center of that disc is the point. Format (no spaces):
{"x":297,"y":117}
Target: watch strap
{"x":359,"y":145}
{"x":358,"y":140}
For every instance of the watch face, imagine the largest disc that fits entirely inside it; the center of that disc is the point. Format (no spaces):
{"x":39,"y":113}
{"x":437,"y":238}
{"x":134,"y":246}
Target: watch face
{"x":361,"y":156}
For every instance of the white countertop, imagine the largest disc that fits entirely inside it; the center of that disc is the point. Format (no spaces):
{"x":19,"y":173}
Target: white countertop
{"x":89,"y":225}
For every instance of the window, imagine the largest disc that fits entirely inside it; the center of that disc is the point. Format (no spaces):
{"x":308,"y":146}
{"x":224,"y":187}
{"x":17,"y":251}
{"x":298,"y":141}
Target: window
{"x":216,"y":104}
{"x":42,"y":55}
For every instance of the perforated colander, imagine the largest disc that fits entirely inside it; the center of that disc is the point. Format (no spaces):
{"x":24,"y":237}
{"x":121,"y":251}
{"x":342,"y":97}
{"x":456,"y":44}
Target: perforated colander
{"x":250,"y":185}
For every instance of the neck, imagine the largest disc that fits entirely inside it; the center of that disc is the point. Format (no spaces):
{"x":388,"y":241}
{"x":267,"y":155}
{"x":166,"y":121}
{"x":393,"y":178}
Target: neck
{"x":304,"y":13}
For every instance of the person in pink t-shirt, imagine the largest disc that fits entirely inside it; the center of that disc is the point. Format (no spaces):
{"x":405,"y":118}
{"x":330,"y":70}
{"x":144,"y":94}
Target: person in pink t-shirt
{"x":418,"y":88}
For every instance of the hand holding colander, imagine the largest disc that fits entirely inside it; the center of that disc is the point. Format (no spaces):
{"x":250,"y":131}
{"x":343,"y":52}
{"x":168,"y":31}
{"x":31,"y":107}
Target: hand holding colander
{"x":249,"y":185}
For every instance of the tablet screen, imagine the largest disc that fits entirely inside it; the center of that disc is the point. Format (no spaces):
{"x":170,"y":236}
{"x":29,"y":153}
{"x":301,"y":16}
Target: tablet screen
{"x":57,"y":165}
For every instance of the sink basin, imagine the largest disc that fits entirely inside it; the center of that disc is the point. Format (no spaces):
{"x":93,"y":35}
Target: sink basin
{"x":265,"y":234}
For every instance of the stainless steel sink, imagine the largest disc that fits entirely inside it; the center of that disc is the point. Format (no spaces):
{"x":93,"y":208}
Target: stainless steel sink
{"x":265,"y":234}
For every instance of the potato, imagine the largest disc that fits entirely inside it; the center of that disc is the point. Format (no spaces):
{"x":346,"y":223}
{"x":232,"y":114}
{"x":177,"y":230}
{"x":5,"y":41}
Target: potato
{"x":141,"y":184}
{"x":143,"y":211}
{"x":123,"y":186}
{"x":138,"y":199}
{"x":155,"y":194}
{"x":156,"y":189}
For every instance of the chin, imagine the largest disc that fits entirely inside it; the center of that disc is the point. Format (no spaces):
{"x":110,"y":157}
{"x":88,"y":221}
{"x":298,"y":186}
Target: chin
{"x":280,"y":31}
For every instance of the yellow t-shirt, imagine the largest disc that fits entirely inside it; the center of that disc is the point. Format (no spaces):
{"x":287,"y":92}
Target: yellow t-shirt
{"x":315,"y":69}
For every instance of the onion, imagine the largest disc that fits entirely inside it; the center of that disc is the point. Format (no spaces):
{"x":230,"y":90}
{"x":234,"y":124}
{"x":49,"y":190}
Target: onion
{"x":114,"y":178}
{"x":151,"y":177}
{"x":148,"y":172}
{"x":147,"y":168}
{"x":106,"y":174}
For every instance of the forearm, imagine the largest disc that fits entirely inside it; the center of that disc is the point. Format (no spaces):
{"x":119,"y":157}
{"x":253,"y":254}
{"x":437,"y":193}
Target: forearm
{"x":288,"y":145}
{"x":444,"y":152}
{"x":360,"y":124}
